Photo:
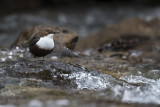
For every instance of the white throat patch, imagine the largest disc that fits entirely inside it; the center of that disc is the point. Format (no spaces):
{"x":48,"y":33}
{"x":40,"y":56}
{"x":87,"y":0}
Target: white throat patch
{"x":46,"y":42}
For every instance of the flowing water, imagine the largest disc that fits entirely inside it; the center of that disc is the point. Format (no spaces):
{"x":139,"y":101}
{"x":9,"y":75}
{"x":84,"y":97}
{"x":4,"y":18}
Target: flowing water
{"x":141,"y":84}
{"x":83,"y":86}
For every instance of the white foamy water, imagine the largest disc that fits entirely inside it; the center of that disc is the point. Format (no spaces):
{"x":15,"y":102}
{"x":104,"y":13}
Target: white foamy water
{"x":35,"y":103}
{"x":147,"y":92}
{"x":48,"y":103}
{"x":57,"y":103}
{"x":85,"y":80}
{"x":137,"y":79}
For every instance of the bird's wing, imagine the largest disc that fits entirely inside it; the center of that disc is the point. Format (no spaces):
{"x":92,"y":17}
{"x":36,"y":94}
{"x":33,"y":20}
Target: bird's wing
{"x":34,"y":40}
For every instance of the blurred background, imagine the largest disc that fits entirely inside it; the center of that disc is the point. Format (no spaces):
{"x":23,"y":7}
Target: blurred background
{"x":117,"y":63}
{"x":83,"y":16}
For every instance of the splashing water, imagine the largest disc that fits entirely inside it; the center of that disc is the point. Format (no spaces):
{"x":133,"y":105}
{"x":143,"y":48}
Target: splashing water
{"x":16,"y":53}
{"x":137,"y":79}
{"x":90,"y":81}
{"x":143,"y":90}
{"x":147,"y":94}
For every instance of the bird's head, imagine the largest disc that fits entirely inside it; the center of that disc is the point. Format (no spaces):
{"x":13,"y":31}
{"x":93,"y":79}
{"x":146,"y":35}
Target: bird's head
{"x":51,"y":31}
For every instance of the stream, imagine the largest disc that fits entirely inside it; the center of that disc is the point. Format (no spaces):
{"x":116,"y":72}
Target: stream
{"x":86,"y":80}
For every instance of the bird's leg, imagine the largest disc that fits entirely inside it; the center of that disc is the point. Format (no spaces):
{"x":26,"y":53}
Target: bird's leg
{"x":43,"y":58}
{"x":35,"y":58}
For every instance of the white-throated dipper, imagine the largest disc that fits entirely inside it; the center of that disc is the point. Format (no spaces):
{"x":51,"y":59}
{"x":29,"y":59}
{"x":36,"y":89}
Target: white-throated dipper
{"x":42,"y":43}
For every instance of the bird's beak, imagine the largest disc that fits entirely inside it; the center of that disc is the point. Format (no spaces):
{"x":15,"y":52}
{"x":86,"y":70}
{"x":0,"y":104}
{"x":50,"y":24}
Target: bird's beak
{"x":56,"y":32}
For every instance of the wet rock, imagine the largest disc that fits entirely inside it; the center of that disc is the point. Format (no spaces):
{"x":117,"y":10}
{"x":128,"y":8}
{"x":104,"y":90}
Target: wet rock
{"x":9,"y":80}
{"x":129,"y":27}
{"x":45,"y":70}
{"x":66,"y":37}
{"x":64,"y":52}
{"x":1,"y":86}
{"x":125,"y":43}
{"x":78,"y":79}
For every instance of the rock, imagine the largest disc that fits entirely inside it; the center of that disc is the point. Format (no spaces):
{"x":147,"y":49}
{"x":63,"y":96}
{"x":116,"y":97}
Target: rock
{"x":1,"y":86}
{"x":124,"y":43}
{"x":128,"y":27}
{"x":66,"y":38}
{"x":53,"y":71}
{"x":64,"y":52}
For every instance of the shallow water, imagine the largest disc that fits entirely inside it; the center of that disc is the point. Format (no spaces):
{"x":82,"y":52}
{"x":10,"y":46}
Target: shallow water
{"x":139,"y":84}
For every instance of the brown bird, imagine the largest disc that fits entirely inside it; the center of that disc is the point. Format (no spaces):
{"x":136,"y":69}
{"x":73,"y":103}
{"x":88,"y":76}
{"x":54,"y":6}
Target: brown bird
{"x":42,"y":43}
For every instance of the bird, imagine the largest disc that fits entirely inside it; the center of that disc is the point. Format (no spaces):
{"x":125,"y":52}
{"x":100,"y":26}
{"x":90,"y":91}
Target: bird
{"x":42,"y":43}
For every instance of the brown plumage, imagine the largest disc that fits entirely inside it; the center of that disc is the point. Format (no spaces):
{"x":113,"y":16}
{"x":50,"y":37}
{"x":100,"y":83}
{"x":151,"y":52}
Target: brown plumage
{"x":34,"y":49}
